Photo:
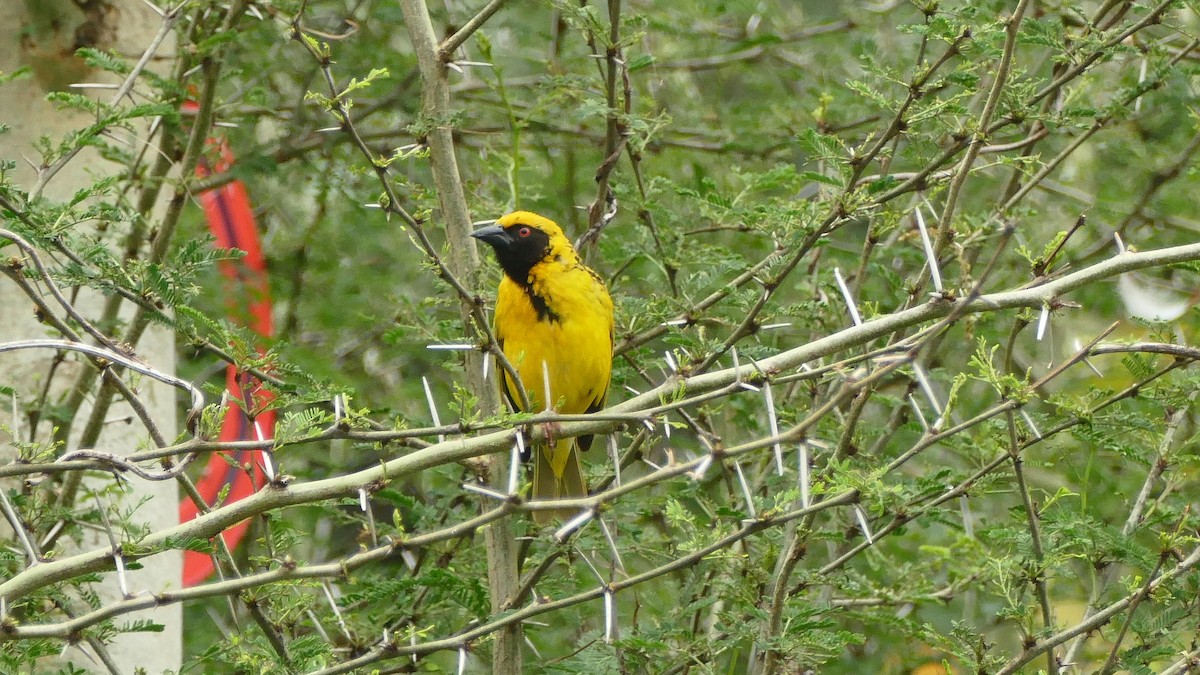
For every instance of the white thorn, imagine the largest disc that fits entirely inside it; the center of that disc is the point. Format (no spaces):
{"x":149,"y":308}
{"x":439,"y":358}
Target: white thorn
{"x":52,"y":533}
{"x":119,"y":561}
{"x":573,"y":524}
{"x":920,"y":415}
{"x":862,"y":522}
{"x":592,"y":567}
{"x":267,"y":454}
{"x":487,"y":492}
{"x":926,"y":387}
{"x":155,"y":8}
{"x":671,"y":361}
{"x":1029,"y":421}
{"x":316,"y":623}
{"x":1120,"y":244}
{"x":1043,"y":320}
{"x":268,"y":466}
{"x":773,"y":421}
{"x":1137,"y":104}
{"x":462,"y":660}
{"x":599,"y":577}
{"x":930,"y":258}
{"x":454,"y":347}
{"x":362,"y":499}
{"x":549,"y":401}
{"x":702,"y":467}
{"x":612,"y":544}
{"x":1086,"y":361}
{"x":737,"y":371}
{"x":528,"y":643}
{"x":336,"y":612}
{"x":610,"y":616}
{"x":437,"y":422}
{"x":615,"y":455}
{"x":514,"y":468}
{"x":745,"y":490}
{"x":968,"y":519}
{"x":837,"y":274}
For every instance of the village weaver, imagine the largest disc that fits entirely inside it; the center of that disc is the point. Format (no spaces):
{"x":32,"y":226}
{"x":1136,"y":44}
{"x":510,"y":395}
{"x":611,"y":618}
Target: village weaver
{"x":554,"y":323}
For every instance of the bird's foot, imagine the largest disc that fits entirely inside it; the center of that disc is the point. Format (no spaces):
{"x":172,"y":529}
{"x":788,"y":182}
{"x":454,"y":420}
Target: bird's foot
{"x":552,"y":431}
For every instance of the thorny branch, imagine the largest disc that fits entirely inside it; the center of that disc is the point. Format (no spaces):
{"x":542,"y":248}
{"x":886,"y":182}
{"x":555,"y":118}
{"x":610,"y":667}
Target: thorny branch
{"x":801,"y":382}
{"x":699,"y":387}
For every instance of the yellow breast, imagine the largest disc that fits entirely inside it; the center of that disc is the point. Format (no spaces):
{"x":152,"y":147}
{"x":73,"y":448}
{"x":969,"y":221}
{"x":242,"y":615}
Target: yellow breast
{"x":558,"y":333}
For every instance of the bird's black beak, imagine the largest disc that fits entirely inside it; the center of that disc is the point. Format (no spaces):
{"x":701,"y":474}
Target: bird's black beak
{"x":493,"y":235}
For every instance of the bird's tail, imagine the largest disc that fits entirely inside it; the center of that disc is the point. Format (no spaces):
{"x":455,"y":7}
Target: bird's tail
{"x":557,"y":474}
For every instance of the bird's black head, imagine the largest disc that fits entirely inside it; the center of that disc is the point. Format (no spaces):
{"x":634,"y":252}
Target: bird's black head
{"x":519,"y":245}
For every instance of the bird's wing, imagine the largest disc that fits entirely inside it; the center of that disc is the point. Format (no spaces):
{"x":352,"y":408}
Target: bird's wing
{"x":504,"y":384}
{"x":597,"y":404}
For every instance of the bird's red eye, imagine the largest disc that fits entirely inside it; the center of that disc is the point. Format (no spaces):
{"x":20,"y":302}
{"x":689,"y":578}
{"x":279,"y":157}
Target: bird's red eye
{"x":524,"y":232}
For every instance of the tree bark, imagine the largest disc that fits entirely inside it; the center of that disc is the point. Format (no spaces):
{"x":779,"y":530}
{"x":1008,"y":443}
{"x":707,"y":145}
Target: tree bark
{"x":463,"y":261}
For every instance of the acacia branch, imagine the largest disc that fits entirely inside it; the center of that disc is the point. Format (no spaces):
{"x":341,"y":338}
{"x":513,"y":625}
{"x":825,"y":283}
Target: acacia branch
{"x":460,"y":449}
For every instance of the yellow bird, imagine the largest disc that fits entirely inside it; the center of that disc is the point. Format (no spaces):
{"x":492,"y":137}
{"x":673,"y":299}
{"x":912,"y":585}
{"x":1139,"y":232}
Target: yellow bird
{"x":554,"y":322}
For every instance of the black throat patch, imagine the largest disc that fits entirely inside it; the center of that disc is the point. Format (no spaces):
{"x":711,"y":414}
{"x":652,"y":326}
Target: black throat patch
{"x":544,"y":313}
{"x":518,"y":255}
{"x":518,"y":258}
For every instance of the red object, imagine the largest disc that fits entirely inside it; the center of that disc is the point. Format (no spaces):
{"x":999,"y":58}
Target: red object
{"x":231,"y":220}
